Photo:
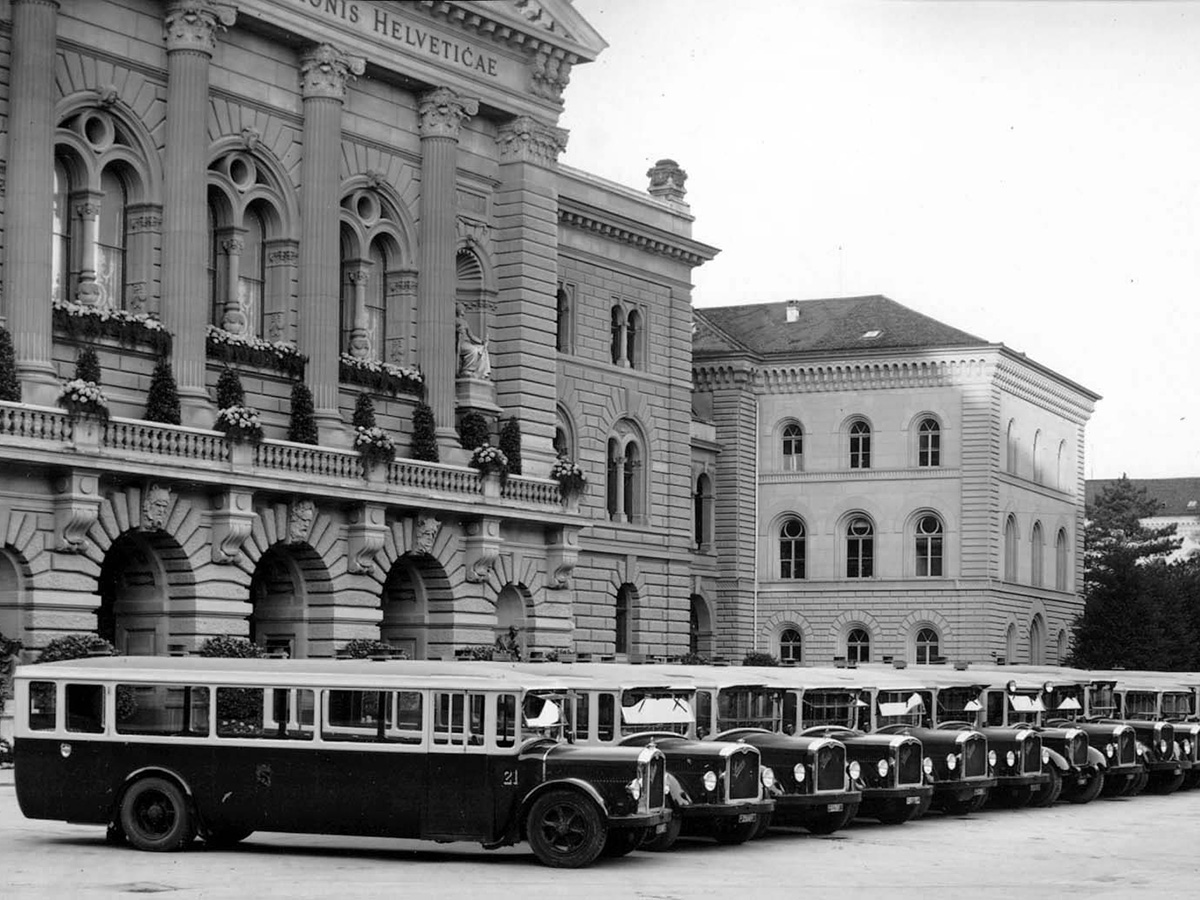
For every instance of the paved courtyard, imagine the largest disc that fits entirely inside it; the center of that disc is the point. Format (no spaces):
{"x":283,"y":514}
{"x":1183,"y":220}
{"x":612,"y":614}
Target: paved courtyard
{"x":1110,"y":848}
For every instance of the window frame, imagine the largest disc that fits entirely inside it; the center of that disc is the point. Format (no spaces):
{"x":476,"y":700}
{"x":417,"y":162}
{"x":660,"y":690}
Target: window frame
{"x":859,"y":434}
{"x":929,"y":443}
{"x":860,"y":548}
{"x":795,"y":541}
{"x":932,"y":555}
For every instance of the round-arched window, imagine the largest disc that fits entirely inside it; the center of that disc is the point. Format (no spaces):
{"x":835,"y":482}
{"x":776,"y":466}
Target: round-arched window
{"x":791,"y":646}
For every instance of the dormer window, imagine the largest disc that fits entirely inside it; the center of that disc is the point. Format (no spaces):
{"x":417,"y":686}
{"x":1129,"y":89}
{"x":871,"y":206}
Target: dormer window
{"x":872,"y":334}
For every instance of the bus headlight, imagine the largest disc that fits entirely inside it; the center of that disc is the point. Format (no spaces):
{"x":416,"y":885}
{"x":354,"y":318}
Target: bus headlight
{"x":1045,"y":756}
{"x":951,"y":761}
{"x":799,"y":773}
{"x":992,"y":758}
{"x":854,"y":769}
{"x":635,"y":788}
{"x":710,"y":780}
{"x":768,"y":777}
{"x":1141,"y":749}
{"x":927,"y":766}
{"x":882,"y":768}
{"x":1162,"y":747}
{"x":1010,"y":758}
{"x":1109,"y":750}
{"x":1187,"y":747}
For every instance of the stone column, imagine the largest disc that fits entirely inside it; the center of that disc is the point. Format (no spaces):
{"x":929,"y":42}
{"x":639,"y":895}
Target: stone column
{"x":30,"y":184}
{"x":324,"y":72}
{"x":441,"y":113}
{"x":526,"y":252}
{"x":191,"y":28}
{"x":87,"y":210}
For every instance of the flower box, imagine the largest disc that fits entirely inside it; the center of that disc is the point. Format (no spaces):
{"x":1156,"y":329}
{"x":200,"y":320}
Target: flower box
{"x":252,"y":351}
{"x":86,"y":323}
{"x":380,"y":377}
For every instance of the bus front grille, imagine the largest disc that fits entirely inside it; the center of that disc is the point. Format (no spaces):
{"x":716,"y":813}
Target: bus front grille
{"x":741,"y":774}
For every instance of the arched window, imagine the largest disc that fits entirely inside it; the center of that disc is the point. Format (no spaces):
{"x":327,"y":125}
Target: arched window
{"x":629,"y":477}
{"x":622,"y":619}
{"x":1010,"y":644}
{"x":1010,"y":549}
{"x":929,"y":546}
{"x":61,"y":252}
{"x":111,"y":240}
{"x":626,"y":492}
{"x":1060,"y":469}
{"x":927,"y":646}
{"x":564,"y":312}
{"x":1035,"y":555}
{"x":702,"y":503}
{"x":562,"y":446}
{"x":1010,"y":448}
{"x":618,"y":336}
{"x":791,"y":549}
{"x":633,"y":340}
{"x":1060,"y":647}
{"x":1038,"y":475}
{"x":1037,"y":642}
{"x":252,"y":269}
{"x":376,"y":303}
{"x":860,"y":548}
{"x":791,"y":646}
{"x":858,"y":646}
{"x":1060,"y":560}
{"x":929,"y":444}
{"x":793,"y":447}
{"x":693,"y":628}
{"x":860,"y":445}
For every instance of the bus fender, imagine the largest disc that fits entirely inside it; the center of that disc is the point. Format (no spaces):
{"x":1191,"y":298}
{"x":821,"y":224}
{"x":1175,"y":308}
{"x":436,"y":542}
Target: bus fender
{"x":677,"y":795}
{"x":577,"y":784}
{"x":1096,"y":758}
{"x":160,"y":771}
{"x":1058,"y":760}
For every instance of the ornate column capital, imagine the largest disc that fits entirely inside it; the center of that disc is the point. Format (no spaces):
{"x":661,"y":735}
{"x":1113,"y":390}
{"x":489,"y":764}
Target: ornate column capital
{"x":325,"y":70}
{"x":525,"y":139}
{"x":233,"y":246}
{"x":366,"y":533}
{"x":233,"y":518}
{"x":441,"y":113}
{"x":481,"y":547}
{"x":193,"y":24}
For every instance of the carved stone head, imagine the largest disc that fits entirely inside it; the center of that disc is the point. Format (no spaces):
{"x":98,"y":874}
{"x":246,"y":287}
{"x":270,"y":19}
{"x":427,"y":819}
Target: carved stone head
{"x":156,"y":504}
{"x":300,"y":519}
{"x":425,"y":532}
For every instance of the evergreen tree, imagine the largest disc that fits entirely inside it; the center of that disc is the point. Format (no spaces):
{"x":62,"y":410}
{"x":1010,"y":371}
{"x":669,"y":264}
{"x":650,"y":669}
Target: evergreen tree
{"x":10,"y":387}
{"x":424,"y":434}
{"x":87,"y":366}
{"x":1123,"y":624}
{"x":364,"y":412}
{"x":473,"y":430}
{"x":303,"y":426}
{"x":229,"y":390}
{"x":162,"y":399}
{"x":510,"y":444}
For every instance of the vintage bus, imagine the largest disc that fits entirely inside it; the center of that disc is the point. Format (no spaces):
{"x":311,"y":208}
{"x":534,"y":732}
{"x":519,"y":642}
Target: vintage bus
{"x":164,"y":749}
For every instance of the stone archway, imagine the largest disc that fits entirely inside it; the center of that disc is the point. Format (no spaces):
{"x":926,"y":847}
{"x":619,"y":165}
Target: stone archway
{"x":414,"y":588}
{"x":142,"y":574}
{"x":279,"y":598}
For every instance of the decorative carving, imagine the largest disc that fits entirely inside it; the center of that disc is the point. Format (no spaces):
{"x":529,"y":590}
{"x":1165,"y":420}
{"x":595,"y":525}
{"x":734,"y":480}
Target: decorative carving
{"x":250,"y":138}
{"x":562,"y":553}
{"x":666,"y":180}
{"x":193,"y":24}
{"x":472,"y":231}
{"x":325,"y":71}
{"x":525,"y":139}
{"x":135,"y":297}
{"x":473,"y":358}
{"x":365,"y":537}
{"x":76,"y":509}
{"x":285,"y":257}
{"x":144,"y":222}
{"x":232,"y":520}
{"x":276,"y":326}
{"x":550,"y":76}
{"x":233,"y":246}
{"x":156,"y":506}
{"x":425,"y":532}
{"x":403,"y":282}
{"x":441,"y":113}
{"x":108,"y":96}
{"x":375,"y":179}
{"x":88,"y":209}
{"x":300,"y":518}
{"x":481,"y":547}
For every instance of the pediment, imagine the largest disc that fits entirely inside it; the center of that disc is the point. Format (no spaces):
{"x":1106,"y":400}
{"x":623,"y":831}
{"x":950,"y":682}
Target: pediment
{"x":554,"y":21}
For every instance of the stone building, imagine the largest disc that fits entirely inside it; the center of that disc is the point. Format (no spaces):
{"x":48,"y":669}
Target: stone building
{"x":362,"y":197}
{"x":887,"y":486}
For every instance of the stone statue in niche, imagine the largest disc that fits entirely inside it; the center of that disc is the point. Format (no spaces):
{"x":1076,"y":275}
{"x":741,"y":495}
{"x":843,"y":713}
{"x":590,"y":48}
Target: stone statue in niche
{"x":473,"y":359}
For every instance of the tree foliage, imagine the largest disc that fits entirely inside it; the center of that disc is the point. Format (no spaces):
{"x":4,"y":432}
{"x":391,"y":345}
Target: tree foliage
{"x":229,"y":390}
{"x":364,"y":412}
{"x":302,"y":428}
{"x":162,"y":399}
{"x":1130,"y":619}
{"x":424,"y":434}
{"x":10,"y":387}
{"x":87,"y":366}
{"x":510,"y":443}
{"x":473,"y":430}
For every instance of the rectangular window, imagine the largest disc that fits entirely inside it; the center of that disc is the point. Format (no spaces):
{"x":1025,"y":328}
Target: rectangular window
{"x":606,"y":716}
{"x":84,"y":704}
{"x":583,"y":725}
{"x":458,"y":719}
{"x":162,"y":709}
{"x":390,"y":717}
{"x":703,"y":713}
{"x":43,"y":705}
{"x":828,"y":708}
{"x":282,"y":714}
{"x":506,"y":720}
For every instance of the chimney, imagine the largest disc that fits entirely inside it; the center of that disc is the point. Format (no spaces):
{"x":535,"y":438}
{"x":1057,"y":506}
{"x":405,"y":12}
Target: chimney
{"x":793,"y":311}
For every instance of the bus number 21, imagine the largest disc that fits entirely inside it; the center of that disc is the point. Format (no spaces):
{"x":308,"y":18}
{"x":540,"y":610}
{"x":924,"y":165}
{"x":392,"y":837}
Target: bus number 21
{"x":510,"y":778}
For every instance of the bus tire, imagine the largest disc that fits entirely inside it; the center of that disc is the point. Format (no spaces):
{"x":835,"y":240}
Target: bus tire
{"x":1091,"y":790}
{"x":1050,"y":790}
{"x":155,"y":815}
{"x":565,"y":830}
{"x":662,"y":841}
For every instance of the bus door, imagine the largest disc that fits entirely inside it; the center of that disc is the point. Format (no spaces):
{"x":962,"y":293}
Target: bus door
{"x":458,"y":792}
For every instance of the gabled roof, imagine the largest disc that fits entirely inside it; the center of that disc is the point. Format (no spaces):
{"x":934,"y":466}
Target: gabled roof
{"x":832,"y":325}
{"x":1172,"y":494}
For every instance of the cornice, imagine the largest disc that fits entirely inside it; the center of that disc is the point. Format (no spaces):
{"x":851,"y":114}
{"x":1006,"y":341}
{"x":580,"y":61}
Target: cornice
{"x":725,"y":375}
{"x":497,"y":23}
{"x":847,"y":475}
{"x":1025,"y":381}
{"x":584,"y":217}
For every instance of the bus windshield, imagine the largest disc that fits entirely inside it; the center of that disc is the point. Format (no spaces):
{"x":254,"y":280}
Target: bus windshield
{"x":655,"y":711}
{"x":1178,"y":705}
{"x":750,"y":707}
{"x":903,"y":708}
{"x":830,"y":707}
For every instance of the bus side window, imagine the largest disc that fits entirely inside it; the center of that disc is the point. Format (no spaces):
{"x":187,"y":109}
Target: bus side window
{"x":995,"y":708}
{"x":506,"y":720}
{"x":477,"y":703}
{"x":85,"y":708}
{"x":703,"y":713}
{"x":449,"y":718}
{"x":583,"y":725}
{"x":162,"y":709}
{"x":43,"y":705}
{"x":410,"y":721}
{"x":789,"y":712}
{"x":606,"y":717}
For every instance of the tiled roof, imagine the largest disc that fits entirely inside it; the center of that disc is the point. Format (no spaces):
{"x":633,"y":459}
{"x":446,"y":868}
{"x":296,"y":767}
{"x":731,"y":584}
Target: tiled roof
{"x":1173,"y":494}
{"x":837,"y":324}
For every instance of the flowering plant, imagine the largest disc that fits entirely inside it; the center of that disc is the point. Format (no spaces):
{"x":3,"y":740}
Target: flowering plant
{"x":381,"y":377}
{"x":89,"y":322}
{"x":240,"y":423}
{"x":487,"y":458}
{"x":238,"y":348}
{"x":374,"y":444}
{"x":570,"y":477}
{"x":80,"y":397}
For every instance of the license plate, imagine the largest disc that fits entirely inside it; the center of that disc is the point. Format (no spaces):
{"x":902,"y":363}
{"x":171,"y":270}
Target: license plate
{"x":978,"y":792}
{"x":835,"y":807}
{"x":1035,"y":787}
{"x":747,"y":817}
{"x":912,"y":801}
{"x":660,"y":828}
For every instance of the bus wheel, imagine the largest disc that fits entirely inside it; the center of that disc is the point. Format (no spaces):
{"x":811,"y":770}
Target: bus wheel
{"x":155,"y":816}
{"x":1114,"y":785}
{"x":831,"y":822}
{"x":565,"y":830}
{"x":665,"y":839}
{"x":623,"y":841}
{"x":1137,"y":784}
{"x":1050,"y":790}
{"x":730,"y":831}
{"x":219,"y":838}
{"x":1091,"y":790}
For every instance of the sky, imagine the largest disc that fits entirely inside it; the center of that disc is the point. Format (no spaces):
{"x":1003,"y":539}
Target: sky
{"x":1026,"y":171}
